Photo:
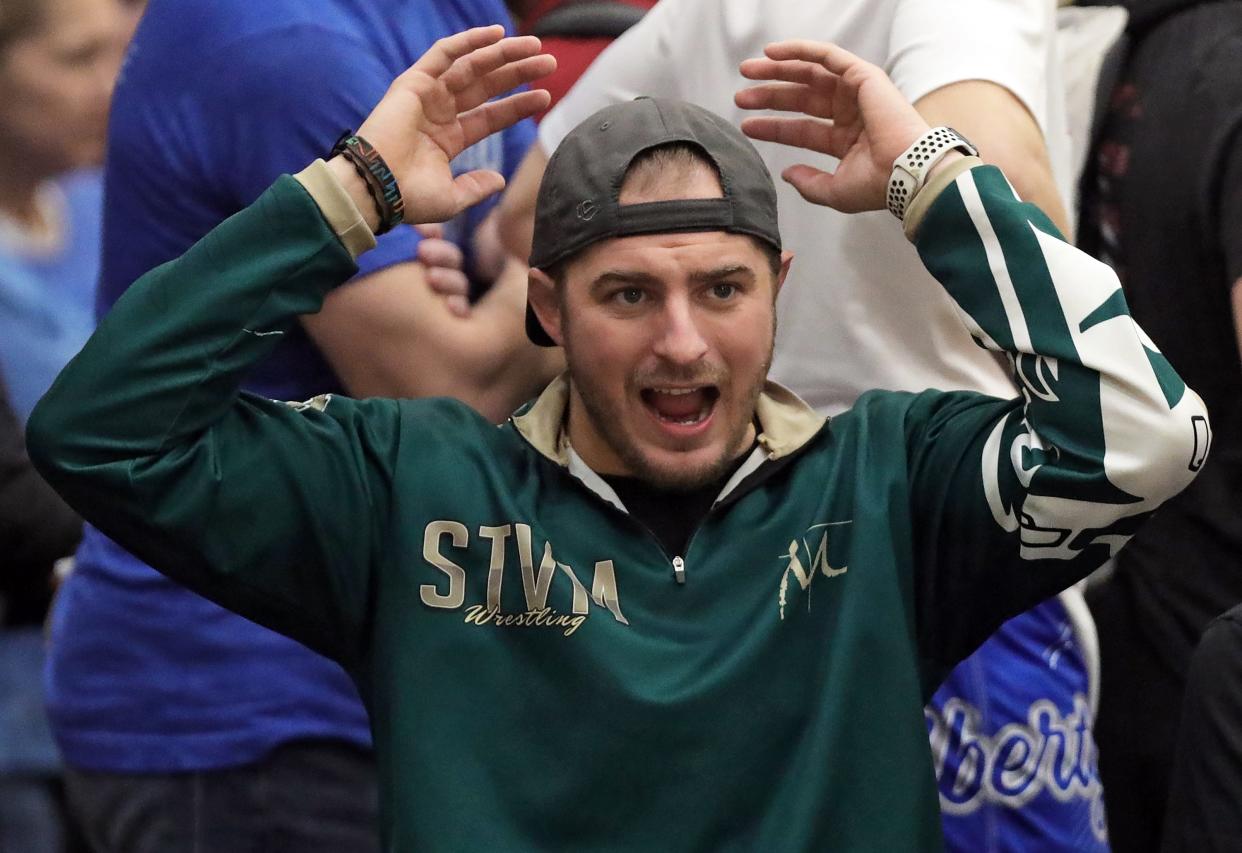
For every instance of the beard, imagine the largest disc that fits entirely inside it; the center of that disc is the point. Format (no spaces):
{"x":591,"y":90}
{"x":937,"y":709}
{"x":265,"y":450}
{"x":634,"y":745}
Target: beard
{"x":605,"y":415}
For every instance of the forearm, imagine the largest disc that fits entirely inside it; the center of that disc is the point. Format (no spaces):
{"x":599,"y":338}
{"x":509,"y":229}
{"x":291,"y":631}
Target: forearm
{"x":1007,"y":136}
{"x":506,"y":369}
{"x":1108,"y":431}
{"x":387,"y":335}
{"x":516,"y":211}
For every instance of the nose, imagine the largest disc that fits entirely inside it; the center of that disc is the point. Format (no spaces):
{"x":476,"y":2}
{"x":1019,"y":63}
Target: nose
{"x":679,"y":339}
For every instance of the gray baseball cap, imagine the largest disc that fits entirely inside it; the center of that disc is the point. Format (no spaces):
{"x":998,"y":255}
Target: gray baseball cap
{"x":578,"y":202}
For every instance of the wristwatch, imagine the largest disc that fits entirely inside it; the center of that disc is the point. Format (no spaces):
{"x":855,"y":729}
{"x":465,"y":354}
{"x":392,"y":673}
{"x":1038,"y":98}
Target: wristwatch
{"x":911,"y":167}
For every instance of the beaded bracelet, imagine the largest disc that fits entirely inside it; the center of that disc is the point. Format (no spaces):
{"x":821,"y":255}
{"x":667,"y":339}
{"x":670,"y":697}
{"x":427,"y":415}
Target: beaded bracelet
{"x":381,"y":184}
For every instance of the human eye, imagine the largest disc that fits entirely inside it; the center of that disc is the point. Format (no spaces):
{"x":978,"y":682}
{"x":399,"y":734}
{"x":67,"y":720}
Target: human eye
{"x":628,"y":296}
{"x":723,"y":290}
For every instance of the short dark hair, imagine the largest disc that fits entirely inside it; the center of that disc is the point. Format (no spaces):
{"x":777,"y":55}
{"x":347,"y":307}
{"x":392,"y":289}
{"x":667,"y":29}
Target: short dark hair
{"x":651,"y":165}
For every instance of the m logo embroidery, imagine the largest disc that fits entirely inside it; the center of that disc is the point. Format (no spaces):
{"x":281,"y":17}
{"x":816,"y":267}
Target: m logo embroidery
{"x":808,"y":556}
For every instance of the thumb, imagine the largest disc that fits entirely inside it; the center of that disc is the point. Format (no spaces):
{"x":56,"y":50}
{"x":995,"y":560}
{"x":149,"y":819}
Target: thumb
{"x":472,"y":187}
{"x":814,"y":185}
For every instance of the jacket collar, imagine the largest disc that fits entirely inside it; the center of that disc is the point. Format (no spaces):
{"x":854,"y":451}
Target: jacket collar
{"x":786,"y":423}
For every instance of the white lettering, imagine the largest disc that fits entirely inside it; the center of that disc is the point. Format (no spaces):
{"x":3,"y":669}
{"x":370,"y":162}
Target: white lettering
{"x":456,"y":594}
{"x":816,"y":562}
{"x":1048,"y":752}
{"x":535,"y":586}
{"x":496,"y":570}
{"x":477,"y":614}
{"x":536,"y":581}
{"x":604,"y":589}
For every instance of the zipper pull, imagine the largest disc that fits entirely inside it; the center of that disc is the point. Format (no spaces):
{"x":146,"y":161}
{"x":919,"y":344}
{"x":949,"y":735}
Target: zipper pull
{"x":679,"y":569}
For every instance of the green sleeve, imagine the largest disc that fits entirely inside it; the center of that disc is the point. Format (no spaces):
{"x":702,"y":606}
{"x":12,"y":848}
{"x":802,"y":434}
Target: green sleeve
{"x":273,"y":511}
{"x":1015,"y":500}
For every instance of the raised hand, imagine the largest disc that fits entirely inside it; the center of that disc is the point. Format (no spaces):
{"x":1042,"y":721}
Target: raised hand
{"x":440,"y":106}
{"x":850,"y":110}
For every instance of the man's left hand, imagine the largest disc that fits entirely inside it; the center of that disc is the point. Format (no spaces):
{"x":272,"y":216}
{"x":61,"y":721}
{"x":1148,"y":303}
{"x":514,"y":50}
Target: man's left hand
{"x":851,"y":111}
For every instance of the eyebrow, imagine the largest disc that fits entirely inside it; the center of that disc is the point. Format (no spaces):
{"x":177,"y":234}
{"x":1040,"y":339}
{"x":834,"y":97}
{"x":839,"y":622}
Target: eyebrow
{"x":725,"y":271}
{"x":610,"y":277}
{"x":632,"y":277}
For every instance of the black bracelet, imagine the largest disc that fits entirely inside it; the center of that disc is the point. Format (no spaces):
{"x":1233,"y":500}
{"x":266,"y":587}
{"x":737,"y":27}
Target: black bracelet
{"x":380,"y":181}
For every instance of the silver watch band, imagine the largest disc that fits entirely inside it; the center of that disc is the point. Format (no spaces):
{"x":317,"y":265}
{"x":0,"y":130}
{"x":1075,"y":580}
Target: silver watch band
{"x":911,"y":167}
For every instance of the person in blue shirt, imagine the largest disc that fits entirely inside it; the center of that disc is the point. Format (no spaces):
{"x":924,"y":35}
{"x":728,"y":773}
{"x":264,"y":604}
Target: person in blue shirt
{"x":58,"y":62}
{"x":186,"y":727}
{"x":47,"y":287}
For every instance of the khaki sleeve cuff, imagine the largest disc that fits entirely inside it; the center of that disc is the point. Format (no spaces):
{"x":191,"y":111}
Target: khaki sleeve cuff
{"x":931,"y":191}
{"x":337,"y":207}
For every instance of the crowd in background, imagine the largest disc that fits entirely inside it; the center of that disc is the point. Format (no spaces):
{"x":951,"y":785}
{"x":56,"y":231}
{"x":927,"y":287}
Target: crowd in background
{"x":136,"y":716}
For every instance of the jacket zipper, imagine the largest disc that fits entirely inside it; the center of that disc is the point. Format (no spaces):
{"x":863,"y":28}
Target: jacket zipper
{"x":679,"y":569}
{"x":678,"y":561}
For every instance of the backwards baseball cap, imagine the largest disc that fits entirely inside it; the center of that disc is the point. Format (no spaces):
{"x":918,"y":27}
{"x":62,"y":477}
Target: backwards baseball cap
{"x":579,"y":198}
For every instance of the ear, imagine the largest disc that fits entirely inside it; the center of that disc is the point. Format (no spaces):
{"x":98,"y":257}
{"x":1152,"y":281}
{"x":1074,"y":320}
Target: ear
{"x":786,"y":259}
{"x":541,"y":294}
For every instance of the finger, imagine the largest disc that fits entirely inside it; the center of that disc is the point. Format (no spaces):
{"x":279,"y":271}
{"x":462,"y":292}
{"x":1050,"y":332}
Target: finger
{"x":440,"y":253}
{"x":431,"y":230}
{"x":441,"y":56}
{"x":788,"y":97}
{"x":458,"y":305}
{"x":448,"y":282}
{"x":790,"y":71}
{"x":472,"y":187}
{"x":488,"y":118}
{"x":477,"y":64}
{"x":812,"y":134}
{"x":505,"y":79}
{"x":836,"y":59}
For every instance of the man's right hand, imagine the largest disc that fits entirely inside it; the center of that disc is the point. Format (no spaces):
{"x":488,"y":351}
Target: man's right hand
{"x":439,"y":107}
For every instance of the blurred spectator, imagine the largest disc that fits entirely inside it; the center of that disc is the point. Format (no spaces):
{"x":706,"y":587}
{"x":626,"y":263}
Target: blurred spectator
{"x":1205,"y":809}
{"x":36,"y":530}
{"x":575,"y":32}
{"x":859,"y":312}
{"x":58,"y":62}
{"x":1162,"y":203}
{"x":165,"y":705}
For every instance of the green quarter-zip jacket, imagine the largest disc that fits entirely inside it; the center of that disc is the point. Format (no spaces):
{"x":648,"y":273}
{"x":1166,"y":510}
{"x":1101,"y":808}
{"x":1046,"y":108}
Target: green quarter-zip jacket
{"x":540,"y":674}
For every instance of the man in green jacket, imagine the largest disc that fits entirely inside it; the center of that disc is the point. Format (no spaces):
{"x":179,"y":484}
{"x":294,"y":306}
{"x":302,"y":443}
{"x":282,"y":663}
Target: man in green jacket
{"x":665,"y":606}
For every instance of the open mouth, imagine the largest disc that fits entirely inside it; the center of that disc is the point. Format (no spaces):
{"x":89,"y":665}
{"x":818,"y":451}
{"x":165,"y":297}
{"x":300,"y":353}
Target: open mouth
{"x":681,"y":406}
